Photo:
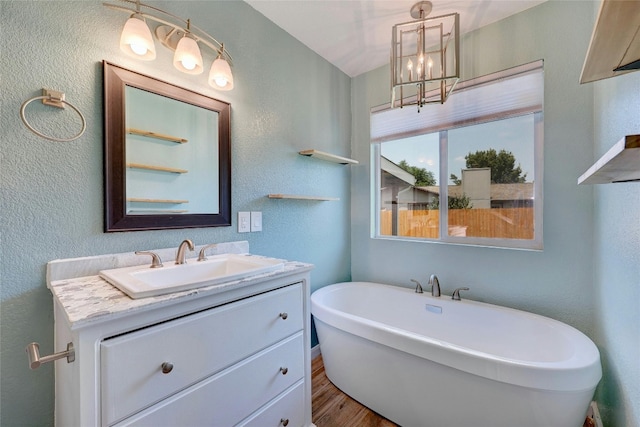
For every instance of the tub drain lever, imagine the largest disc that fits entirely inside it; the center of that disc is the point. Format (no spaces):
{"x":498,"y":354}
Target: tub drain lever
{"x":33,"y":353}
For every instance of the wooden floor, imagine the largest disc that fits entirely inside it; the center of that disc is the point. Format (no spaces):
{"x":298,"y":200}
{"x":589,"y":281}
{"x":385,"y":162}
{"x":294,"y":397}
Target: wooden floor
{"x":333,"y":408}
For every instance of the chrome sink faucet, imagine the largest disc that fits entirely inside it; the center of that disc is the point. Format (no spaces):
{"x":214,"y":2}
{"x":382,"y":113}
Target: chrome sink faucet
{"x":435,"y":285}
{"x":181,"y":255}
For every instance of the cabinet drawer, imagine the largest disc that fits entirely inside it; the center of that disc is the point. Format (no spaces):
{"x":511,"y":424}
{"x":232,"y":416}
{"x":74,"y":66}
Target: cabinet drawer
{"x":196,"y":346}
{"x":286,"y":410}
{"x":233,"y":394}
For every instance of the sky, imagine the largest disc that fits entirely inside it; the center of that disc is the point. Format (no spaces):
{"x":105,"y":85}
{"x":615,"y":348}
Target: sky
{"x":515,"y":135}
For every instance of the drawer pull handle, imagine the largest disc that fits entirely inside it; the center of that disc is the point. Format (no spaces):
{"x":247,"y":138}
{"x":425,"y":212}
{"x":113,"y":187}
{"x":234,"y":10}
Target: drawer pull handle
{"x":167,"y":367}
{"x":284,"y":316}
{"x":284,"y":421}
{"x":284,"y":371}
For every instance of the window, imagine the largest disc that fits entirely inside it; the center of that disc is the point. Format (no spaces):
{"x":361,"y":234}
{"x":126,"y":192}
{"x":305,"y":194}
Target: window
{"x":481,"y":152}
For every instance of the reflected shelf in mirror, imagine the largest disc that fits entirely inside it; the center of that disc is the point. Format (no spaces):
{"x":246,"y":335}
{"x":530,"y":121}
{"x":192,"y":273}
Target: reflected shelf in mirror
{"x":156,"y":168}
{"x":156,"y":135}
{"x":143,"y":200}
{"x":157,"y":211}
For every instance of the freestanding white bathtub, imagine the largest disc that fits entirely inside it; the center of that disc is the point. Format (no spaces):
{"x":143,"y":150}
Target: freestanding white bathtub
{"x":422,"y":361}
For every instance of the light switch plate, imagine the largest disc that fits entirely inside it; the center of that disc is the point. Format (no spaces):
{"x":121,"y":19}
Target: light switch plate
{"x":256,"y":221}
{"x":244,"y":222}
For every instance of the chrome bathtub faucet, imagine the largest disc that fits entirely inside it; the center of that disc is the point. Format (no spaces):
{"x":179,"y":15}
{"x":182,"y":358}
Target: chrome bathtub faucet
{"x":435,"y":285}
{"x":181,"y":255}
{"x":456,"y":294}
{"x":418,"y":286}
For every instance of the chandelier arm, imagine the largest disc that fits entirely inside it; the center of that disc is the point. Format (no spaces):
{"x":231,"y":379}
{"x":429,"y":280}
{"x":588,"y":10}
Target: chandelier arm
{"x":200,"y":35}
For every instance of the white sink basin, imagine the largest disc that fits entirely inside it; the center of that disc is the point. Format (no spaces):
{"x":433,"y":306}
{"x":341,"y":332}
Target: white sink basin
{"x":142,"y":281}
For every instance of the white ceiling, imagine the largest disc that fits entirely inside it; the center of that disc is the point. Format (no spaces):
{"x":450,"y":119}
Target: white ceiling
{"x":355,"y":35}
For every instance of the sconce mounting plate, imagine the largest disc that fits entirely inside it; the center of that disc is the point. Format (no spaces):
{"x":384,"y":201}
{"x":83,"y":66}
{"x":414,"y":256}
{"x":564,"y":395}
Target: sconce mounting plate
{"x":169,"y":36}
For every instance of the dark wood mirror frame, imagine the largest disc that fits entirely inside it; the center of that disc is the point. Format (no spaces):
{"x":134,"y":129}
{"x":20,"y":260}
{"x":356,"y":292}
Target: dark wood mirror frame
{"x":116,"y":218}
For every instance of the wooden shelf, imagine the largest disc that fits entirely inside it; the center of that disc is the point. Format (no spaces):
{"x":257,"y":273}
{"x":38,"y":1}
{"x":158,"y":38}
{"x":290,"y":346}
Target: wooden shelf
{"x":615,"y":40}
{"x":620,"y":164}
{"x":299,"y":197}
{"x":142,"y":200}
{"x":328,"y":157}
{"x":159,"y":211}
{"x":155,"y":135}
{"x":156,"y":168}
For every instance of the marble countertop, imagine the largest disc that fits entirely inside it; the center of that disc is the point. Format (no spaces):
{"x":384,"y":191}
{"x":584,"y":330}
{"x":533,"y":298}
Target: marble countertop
{"x":91,"y":298}
{"x":85,"y":297}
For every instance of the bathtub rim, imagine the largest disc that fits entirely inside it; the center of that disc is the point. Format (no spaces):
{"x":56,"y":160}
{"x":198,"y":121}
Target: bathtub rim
{"x":581,"y":372}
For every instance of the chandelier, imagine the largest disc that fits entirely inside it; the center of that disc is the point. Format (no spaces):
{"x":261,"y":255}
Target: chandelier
{"x":425,"y":58}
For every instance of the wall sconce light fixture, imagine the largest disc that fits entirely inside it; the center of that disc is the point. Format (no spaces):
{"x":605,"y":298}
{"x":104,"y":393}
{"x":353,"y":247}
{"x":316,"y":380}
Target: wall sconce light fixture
{"x":425,"y":58}
{"x":176,"y":34}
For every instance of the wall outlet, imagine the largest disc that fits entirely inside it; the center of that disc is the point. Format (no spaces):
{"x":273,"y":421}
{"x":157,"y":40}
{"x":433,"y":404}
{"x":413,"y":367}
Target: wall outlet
{"x":256,"y":221}
{"x":244,"y":222}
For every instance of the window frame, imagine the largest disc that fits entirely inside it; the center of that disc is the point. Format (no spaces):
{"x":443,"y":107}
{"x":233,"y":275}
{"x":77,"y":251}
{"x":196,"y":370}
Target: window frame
{"x":538,"y":171}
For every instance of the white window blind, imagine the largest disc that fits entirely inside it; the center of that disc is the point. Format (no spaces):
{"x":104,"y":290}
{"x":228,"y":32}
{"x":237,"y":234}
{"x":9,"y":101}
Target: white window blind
{"x":510,"y":92}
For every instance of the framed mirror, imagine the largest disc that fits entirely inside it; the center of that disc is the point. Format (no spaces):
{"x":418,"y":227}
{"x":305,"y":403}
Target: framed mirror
{"x":167,"y":157}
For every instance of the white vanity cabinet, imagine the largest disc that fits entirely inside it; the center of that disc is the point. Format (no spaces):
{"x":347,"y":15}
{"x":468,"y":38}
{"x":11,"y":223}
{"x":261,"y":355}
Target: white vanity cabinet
{"x":232,"y":356}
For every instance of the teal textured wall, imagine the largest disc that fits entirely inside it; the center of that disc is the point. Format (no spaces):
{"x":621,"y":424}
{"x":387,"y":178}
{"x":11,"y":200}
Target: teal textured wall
{"x":286,"y":99}
{"x":617,"y":257}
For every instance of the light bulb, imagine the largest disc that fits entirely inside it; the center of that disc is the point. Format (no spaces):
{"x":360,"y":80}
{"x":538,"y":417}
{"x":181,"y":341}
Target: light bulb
{"x":188,"y":63}
{"x":410,"y":68}
{"x":220,"y":76}
{"x":429,"y":62}
{"x":188,"y":58}
{"x":421,"y":58}
{"x":136,"y":39}
{"x":138,"y":48}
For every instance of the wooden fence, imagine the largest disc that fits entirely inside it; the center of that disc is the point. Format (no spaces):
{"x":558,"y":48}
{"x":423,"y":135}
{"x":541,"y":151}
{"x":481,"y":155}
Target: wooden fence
{"x":510,"y":223}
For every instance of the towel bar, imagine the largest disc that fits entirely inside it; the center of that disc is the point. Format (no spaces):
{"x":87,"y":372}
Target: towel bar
{"x":33,"y":353}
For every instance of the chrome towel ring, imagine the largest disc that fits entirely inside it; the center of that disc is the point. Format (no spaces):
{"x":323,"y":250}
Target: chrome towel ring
{"x":55,"y":99}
